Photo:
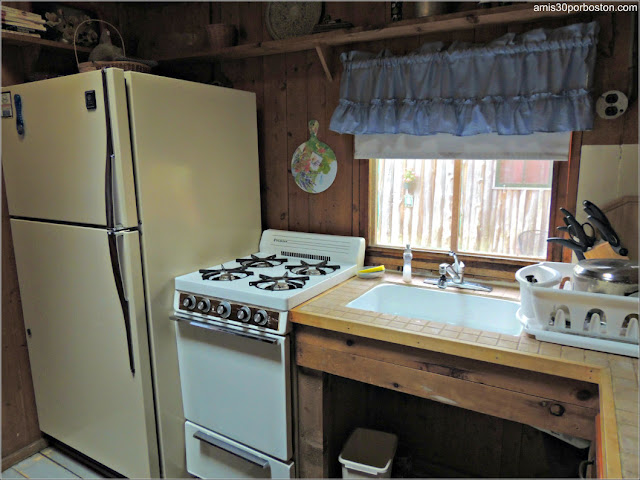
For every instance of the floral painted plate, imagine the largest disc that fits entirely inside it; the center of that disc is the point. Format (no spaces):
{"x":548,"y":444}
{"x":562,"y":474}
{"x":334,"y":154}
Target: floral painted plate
{"x":314,"y":164}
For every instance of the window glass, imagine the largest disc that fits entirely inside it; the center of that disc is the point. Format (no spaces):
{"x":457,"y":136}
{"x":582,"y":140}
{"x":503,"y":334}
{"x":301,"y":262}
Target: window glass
{"x":475,"y":206}
{"x":523,"y":174}
{"x":414,"y":203}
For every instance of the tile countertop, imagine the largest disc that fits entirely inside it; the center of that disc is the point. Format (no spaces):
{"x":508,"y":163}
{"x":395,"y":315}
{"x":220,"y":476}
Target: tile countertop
{"x":617,"y":376}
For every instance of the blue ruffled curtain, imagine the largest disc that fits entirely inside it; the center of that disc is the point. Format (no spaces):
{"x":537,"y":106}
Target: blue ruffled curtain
{"x":539,"y":81}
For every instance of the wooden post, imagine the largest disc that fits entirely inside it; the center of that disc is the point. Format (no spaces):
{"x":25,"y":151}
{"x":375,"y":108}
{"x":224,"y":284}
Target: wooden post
{"x":312,"y":456}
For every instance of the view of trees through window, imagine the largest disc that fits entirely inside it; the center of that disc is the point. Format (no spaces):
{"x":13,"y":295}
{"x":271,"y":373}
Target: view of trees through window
{"x":490,"y":207}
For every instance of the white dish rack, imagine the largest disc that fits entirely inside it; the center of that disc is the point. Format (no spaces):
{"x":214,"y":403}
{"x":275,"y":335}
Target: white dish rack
{"x":595,"y":321}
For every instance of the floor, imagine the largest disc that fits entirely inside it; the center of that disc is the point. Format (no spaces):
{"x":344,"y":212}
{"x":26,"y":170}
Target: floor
{"x":50,"y":463}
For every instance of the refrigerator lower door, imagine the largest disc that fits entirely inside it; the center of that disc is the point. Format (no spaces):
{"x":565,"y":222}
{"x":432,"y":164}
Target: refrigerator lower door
{"x":80,"y":347}
{"x":210,"y":455}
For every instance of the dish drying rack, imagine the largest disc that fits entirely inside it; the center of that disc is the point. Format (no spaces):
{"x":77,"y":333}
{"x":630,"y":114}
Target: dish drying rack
{"x":552,"y":312}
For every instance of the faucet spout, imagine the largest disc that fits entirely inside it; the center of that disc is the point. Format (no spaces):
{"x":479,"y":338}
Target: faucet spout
{"x":457,"y":269}
{"x":456,"y":272}
{"x":456,"y":263}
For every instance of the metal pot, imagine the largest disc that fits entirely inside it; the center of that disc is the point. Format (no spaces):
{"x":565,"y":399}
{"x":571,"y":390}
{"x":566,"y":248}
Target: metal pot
{"x":604,"y":275}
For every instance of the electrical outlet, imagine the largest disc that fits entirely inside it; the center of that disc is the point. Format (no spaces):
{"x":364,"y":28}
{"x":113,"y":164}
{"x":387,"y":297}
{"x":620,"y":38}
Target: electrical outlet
{"x":611,"y":104}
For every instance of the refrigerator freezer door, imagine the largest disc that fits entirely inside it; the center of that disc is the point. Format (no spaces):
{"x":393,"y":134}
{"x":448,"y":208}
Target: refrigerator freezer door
{"x":57,"y":168}
{"x":86,"y":394}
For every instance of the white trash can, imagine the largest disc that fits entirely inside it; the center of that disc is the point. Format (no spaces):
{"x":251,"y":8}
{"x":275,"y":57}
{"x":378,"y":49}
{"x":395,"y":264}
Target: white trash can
{"x":368,"y":454}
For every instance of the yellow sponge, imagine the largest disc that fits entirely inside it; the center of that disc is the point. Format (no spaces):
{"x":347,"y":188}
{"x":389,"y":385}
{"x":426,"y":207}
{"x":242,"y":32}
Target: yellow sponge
{"x":370,"y":272}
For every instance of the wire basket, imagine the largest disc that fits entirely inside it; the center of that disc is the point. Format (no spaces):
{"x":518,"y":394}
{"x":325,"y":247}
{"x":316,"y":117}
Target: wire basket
{"x":92,"y":65}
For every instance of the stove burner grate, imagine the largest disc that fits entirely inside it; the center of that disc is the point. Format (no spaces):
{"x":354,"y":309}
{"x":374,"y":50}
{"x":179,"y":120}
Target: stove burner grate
{"x":305,"y":268}
{"x":261,"y":262}
{"x":285,"y":282}
{"x":225,"y":274}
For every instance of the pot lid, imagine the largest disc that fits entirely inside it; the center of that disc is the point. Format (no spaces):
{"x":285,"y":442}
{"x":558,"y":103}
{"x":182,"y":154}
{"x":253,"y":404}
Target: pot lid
{"x":608,"y":270}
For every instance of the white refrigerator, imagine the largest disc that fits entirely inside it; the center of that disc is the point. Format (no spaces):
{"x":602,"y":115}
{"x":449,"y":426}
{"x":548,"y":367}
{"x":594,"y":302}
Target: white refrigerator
{"x":117,"y":182}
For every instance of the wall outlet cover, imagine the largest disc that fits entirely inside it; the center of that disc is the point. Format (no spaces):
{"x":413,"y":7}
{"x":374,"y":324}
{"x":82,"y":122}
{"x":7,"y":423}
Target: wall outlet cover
{"x":611,"y":104}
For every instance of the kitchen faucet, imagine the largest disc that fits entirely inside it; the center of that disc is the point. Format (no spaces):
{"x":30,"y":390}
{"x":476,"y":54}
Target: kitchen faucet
{"x":456,"y":272}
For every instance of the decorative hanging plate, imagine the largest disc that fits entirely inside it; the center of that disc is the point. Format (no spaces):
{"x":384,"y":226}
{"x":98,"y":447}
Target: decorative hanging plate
{"x":292,"y":19}
{"x":314,"y":164}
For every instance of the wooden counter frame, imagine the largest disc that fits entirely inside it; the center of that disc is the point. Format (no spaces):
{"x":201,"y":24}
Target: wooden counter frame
{"x":510,"y":393}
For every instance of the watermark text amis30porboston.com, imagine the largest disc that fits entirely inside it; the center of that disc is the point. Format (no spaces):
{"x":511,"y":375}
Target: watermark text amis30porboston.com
{"x":585,"y":7}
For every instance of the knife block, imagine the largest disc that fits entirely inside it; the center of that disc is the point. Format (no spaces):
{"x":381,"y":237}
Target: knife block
{"x":603,"y":250}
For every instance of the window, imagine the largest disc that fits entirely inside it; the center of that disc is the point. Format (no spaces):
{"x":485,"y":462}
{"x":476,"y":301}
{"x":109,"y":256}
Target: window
{"x":482,"y":207}
{"x":523,"y":174}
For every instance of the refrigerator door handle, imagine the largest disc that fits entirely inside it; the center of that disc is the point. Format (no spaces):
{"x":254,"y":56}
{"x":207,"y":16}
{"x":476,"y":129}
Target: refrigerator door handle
{"x":116,"y":252}
{"x":110,"y":190}
{"x":214,"y":442}
{"x":114,"y":208}
{"x":122,"y":264}
{"x":112,"y":193}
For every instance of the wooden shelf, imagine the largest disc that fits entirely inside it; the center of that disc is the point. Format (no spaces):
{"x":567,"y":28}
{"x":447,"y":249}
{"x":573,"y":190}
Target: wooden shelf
{"x":322,"y":42}
{"x":9,"y":38}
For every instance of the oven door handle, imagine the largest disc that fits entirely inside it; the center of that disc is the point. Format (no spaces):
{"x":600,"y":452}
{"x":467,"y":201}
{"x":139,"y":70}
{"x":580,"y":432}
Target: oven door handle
{"x":228,"y":331}
{"x":214,"y":442}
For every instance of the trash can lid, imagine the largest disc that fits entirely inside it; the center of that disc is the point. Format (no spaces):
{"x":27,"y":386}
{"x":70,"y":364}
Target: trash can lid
{"x":371,"y":448}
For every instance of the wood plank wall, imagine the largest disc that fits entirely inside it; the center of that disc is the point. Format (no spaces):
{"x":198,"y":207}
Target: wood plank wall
{"x":436,"y":440}
{"x":19,"y":416}
{"x":20,"y":427}
{"x":290,"y":90}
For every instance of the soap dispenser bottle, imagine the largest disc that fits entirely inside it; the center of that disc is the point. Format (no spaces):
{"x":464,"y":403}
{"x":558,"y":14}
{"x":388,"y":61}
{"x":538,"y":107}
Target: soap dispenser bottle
{"x":406,"y":268}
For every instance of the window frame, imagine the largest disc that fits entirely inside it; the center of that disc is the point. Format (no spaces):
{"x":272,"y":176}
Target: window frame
{"x":564,"y":192}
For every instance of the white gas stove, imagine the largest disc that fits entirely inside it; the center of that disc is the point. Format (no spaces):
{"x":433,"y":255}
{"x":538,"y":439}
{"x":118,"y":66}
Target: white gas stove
{"x":235,"y":355}
{"x":256,"y":291}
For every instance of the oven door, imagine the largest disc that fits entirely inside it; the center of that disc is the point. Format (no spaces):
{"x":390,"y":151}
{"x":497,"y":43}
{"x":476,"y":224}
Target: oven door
{"x":236,"y":383}
{"x":210,"y":455}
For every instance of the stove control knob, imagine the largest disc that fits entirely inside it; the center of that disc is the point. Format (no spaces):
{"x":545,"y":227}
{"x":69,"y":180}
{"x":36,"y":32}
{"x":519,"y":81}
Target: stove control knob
{"x":189,"y":302}
{"x":261,"y":318}
{"x":224,"y":309}
{"x":244,"y":314}
{"x":204,"y":305}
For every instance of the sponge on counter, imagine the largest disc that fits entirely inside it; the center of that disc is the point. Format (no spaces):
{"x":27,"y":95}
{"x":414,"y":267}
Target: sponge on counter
{"x":371,"y":272}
